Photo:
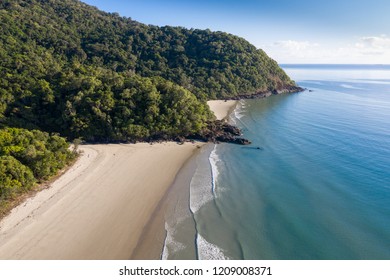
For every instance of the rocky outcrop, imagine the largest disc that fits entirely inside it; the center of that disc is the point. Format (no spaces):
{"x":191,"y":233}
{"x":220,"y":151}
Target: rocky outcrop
{"x":220,"y":131}
{"x":263,"y":94}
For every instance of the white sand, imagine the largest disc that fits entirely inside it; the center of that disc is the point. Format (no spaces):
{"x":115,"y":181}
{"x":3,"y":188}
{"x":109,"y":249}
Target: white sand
{"x":222,"y":108}
{"x":97,"y":209}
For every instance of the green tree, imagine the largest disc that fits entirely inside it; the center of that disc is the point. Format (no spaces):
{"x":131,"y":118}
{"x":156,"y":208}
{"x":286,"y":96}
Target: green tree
{"x":14,"y":177}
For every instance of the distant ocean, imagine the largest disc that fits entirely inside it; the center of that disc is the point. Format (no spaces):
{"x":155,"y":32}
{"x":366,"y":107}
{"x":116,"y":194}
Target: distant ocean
{"x":315,"y":183}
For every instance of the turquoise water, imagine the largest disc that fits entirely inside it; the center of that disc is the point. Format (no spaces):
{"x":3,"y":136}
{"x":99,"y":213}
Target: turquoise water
{"x":315,"y":183}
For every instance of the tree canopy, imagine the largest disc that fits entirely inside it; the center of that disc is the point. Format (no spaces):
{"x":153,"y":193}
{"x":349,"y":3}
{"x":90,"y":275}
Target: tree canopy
{"x":29,"y":156}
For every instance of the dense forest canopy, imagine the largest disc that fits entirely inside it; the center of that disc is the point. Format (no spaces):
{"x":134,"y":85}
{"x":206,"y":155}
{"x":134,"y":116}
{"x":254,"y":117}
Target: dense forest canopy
{"x":68,"y":68}
{"x":27,"y":157}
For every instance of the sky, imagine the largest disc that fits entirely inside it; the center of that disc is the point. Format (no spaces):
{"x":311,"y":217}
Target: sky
{"x":290,"y":31}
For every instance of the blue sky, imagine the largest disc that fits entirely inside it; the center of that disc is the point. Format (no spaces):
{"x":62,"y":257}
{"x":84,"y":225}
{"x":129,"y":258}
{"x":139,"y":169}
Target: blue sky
{"x":290,"y":31}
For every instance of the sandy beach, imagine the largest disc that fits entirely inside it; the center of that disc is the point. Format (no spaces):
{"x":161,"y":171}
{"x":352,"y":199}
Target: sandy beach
{"x":222,"y":108}
{"x":103,"y":206}
{"x":98,"y":209}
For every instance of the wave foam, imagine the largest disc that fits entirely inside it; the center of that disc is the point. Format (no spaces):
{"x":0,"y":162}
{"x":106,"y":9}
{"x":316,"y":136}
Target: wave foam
{"x":214,"y":159}
{"x":201,"y":188}
{"x":238,"y":112}
{"x":171,"y":246}
{"x":209,"y":251}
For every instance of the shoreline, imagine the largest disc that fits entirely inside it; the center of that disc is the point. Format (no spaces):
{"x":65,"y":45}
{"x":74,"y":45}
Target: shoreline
{"x":222,"y":108}
{"x":151,"y":246}
{"x":103,"y":207}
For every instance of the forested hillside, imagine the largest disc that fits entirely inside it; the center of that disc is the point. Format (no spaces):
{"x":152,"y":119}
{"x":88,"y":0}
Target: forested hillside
{"x":67,"y":67}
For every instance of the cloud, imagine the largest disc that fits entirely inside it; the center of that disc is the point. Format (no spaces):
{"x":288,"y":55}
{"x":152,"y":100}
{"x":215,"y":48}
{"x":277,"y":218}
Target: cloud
{"x":381,"y":42}
{"x":368,"y":49}
{"x":374,"y":45}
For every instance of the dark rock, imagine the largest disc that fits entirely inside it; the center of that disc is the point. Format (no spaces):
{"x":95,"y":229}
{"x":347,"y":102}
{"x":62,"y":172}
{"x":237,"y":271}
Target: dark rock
{"x":180,"y":139}
{"x":219,"y":131}
{"x":266,"y":93}
{"x":241,"y":141}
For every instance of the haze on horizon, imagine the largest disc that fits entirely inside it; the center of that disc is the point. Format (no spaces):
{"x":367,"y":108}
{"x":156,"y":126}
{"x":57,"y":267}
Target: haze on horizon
{"x":290,"y":31}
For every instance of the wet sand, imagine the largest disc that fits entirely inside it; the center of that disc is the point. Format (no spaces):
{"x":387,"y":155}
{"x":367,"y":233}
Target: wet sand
{"x":173,"y":210}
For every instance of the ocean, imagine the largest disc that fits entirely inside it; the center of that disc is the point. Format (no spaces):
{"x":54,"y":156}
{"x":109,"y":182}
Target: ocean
{"x":314,"y":184}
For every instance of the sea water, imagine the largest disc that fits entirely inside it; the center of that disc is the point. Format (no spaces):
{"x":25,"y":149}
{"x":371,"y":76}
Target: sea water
{"x":314,"y":184}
